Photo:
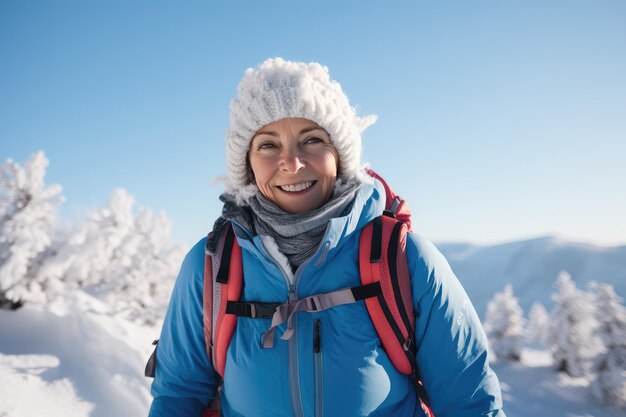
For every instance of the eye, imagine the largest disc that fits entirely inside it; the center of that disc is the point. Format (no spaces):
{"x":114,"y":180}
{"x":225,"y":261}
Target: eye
{"x":267,"y":145}
{"x":313,"y":140}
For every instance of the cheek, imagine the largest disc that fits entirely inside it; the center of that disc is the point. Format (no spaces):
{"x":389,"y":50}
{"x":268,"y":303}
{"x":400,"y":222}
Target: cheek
{"x":261,"y":177}
{"x":333,"y":159}
{"x":259,"y":170}
{"x":331,"y":163}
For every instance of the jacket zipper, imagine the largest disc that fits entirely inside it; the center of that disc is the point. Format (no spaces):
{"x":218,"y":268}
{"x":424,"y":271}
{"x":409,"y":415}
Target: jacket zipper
{"x":294,"y":368}
{"x":318,"y":372}
{"x":294,"y":374}
{"x":294,"y":365}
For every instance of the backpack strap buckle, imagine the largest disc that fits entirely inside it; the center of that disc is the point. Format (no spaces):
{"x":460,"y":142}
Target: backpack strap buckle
{"x":312,"y":304}
{"x":319,"y":302}
{"x":409,"y":344}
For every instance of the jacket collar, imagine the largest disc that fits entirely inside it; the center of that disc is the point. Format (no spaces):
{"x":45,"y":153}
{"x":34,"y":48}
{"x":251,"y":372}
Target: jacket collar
{"x":369,"y":203}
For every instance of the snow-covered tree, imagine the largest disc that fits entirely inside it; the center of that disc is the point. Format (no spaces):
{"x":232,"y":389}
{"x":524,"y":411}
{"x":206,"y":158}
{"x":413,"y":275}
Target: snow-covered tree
{"x":504,"y":325}
{"x":572,"y":338}
{"x":27,"y":214}
{"x":609,"y":385}
{"x":538,"y":326}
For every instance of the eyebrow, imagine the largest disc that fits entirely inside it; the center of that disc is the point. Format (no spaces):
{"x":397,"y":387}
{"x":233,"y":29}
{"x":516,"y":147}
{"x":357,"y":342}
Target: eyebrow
{"x":311,"y":128}
{"x":304,"y":130}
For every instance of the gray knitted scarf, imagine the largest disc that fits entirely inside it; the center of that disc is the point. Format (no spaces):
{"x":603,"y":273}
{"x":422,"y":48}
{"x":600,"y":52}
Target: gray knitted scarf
{"x":296,"y":235}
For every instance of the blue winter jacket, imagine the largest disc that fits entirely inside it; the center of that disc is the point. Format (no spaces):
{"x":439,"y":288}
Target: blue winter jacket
{"x":350,"y":374}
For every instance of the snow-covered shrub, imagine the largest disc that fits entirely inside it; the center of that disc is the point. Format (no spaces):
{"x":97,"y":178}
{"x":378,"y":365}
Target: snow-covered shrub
{"x":572,"y":339}
{"x":609,"y":385}
{"x":538,"y":326}
{"x":96,"y":247}
{"x":139,"y":287}
{"x":504,"y":325}
{"x":84,"y":257}
{"x":27,"y":214}
{"x":124,"y":259}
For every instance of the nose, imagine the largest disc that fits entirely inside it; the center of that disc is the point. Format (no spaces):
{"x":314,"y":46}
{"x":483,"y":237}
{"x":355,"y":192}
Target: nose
{"x":291,"y":161}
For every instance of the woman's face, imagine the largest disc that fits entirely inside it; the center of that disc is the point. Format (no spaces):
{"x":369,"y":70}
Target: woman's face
{"x":294,"y":164}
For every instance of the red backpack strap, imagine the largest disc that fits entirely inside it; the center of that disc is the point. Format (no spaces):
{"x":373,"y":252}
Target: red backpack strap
{"x":382,"y":258}
{"x":395,"y":206}
{"x":223,"y":281}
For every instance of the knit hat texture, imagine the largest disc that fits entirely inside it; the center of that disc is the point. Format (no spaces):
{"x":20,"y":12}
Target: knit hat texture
{"x":279,"y":89}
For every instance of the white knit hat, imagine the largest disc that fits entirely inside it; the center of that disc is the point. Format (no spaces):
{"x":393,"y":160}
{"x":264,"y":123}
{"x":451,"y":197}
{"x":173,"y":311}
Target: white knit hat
{"x":278,"y":89}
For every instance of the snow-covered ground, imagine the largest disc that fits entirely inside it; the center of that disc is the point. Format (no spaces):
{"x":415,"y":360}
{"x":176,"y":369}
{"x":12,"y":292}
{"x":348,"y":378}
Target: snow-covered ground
{"x":533,"y":388}
{"x":72,"y":358}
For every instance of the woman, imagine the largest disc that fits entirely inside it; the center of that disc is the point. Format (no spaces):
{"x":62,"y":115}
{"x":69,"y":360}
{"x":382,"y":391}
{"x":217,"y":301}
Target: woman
{"x":298,"y":198}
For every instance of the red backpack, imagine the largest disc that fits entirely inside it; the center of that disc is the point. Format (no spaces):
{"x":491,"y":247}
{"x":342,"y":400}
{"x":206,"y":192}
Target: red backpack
{"x":385,"y":288}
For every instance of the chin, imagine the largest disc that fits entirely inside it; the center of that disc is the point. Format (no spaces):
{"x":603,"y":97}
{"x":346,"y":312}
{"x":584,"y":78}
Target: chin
{"x":296,"y":208}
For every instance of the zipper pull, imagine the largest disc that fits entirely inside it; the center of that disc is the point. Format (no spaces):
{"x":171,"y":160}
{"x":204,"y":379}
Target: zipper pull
{"x":317,"y":336}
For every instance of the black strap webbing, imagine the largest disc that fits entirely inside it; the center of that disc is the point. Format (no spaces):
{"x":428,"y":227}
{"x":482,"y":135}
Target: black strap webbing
{"x":421,"y":391}
{"x":257,"y":310}
{"x":253,"y":310}
{"x":392,"y":253}
{"x":367,"y":291}
{"x":377,"y":240}
{"x":222,"y":275}
{"x":150,"y":370}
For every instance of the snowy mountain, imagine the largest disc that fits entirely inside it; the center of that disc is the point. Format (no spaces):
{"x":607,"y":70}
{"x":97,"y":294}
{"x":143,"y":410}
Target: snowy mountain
{"x":531,"y":266}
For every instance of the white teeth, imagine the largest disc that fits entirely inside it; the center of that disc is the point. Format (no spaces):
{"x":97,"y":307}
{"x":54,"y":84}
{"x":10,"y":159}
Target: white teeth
{"x":296,"y":187}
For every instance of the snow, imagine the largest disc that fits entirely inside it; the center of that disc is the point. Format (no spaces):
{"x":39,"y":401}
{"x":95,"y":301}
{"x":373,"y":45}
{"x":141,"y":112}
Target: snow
{"x":532,"y":388}
{"x":504,"y":325}
{"x":77,"y":359}
{"x":573,"y":335}
{"x":537,"y":327}
{"x":610,"y":367}
{"x":27,"y":214}
{"x":21,"y":377}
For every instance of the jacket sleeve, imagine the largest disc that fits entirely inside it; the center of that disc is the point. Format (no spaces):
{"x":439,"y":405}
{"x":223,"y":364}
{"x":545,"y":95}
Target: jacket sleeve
{"x":185,"y":380}
{"x":451,"y":344}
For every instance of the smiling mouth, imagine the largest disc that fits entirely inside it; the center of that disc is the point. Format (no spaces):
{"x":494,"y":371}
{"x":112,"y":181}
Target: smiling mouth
{"x":293,"y":188}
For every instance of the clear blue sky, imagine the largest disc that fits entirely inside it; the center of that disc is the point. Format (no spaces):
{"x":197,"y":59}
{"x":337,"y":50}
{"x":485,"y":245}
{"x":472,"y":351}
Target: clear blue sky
{"x":498,"y":120}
